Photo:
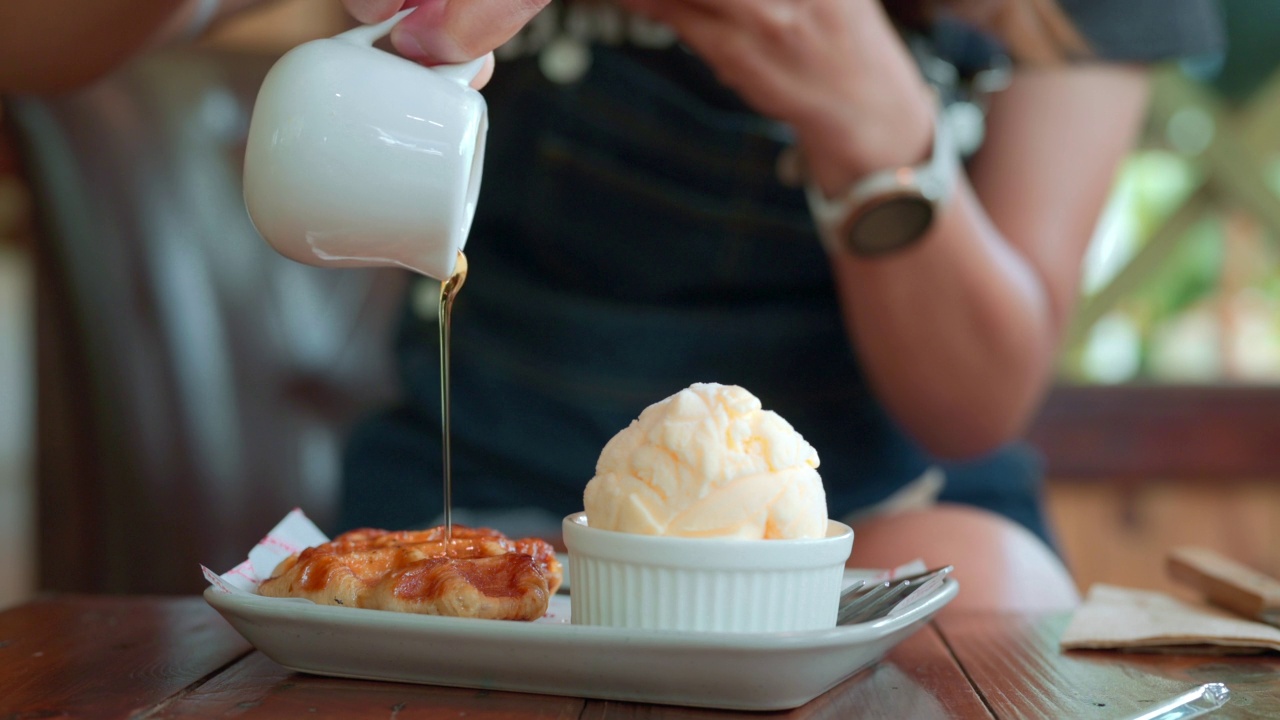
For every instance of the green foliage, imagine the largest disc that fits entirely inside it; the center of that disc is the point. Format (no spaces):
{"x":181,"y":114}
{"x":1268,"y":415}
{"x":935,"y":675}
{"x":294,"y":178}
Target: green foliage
{"x":1189,"y":275}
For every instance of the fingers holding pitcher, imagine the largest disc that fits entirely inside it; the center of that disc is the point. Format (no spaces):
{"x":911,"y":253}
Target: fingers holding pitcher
{"x":375,"y":11}
{"x":449,"y":31}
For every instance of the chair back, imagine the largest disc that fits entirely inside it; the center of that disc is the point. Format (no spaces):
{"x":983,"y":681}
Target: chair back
{"x":193,"y":386}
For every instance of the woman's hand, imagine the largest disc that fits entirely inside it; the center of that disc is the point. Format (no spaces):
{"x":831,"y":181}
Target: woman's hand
{"x":835,"y":70}
{"x":958,"y":334}
{"x":450,"y":31}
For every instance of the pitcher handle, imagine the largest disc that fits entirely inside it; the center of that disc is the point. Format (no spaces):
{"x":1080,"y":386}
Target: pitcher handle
{"x":366,"y":35}
{"x":370,"y":34}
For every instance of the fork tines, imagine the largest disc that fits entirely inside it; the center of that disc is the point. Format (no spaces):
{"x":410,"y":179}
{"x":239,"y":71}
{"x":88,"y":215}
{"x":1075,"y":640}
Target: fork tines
{"x":865,"y":601}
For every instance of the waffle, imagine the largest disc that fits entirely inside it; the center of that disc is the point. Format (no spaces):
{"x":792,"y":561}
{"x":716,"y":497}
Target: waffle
{"x":479,"y":574}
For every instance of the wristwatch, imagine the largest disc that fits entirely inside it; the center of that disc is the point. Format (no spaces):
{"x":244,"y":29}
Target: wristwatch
{"x":889,"y":209}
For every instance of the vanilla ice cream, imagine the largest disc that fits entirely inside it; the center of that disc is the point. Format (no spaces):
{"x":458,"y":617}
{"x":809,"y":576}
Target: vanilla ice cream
{"x":708,"y":462}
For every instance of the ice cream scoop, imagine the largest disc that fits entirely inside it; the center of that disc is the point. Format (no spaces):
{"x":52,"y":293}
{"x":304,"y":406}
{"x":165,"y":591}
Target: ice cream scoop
{"x":708,"y":461}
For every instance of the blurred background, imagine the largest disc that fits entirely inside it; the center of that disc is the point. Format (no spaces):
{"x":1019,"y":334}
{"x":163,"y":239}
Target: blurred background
{"x":161,"y":378}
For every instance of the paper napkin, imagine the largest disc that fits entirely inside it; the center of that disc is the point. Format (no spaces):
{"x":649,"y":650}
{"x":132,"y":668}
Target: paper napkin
{"x":294,"y":533}
{"x":1122,"y":618}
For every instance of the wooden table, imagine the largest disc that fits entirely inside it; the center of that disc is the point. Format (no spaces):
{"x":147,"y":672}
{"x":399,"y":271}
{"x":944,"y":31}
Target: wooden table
{"x":132,"y":657}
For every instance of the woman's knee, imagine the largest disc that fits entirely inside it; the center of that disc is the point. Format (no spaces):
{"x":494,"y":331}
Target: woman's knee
{"x":1000,"y":564}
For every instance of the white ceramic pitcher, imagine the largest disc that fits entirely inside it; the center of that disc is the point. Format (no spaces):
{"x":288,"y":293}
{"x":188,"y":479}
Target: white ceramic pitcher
{"x":359,"y":157}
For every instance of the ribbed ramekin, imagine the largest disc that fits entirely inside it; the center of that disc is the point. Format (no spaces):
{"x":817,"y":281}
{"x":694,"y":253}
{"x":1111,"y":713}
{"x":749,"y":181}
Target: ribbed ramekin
{"x":704,"y":584}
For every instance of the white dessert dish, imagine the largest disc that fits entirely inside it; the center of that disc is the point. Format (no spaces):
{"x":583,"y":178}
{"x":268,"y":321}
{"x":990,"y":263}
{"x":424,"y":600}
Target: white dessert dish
{"x":649,"y":582}
{"x":740,"y":671}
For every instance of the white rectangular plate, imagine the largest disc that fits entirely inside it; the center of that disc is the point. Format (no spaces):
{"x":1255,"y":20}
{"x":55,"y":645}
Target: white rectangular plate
{"x":739,"y":671}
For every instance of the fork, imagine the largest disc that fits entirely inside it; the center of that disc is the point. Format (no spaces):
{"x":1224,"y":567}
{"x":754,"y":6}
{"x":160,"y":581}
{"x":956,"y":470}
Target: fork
{"x":870,"y":600}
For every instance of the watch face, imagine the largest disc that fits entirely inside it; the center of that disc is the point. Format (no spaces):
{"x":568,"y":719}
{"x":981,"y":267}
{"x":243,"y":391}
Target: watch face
{"x":888,"y":224}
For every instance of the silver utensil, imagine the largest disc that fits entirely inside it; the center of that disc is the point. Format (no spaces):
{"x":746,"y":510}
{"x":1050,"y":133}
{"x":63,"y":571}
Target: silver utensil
{"x":868,"y":600}
{"x":1194,"y":703}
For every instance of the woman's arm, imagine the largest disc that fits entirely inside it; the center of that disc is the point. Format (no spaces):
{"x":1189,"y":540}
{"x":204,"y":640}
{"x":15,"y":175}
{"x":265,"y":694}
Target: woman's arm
{"x":56,"y":46}
{"x":48,"y":47}
{"x":959,"y":333}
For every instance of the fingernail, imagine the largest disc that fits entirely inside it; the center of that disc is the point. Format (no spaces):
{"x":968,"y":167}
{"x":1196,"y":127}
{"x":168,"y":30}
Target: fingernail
{"x":431,"y":45}
{"x":408,"y":44}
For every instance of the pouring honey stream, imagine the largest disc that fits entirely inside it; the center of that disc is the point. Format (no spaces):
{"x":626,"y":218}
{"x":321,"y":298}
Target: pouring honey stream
{"x":448,"y":292}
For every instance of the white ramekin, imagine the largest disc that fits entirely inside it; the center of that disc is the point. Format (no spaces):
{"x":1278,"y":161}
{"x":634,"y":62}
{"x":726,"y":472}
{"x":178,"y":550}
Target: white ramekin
{"x":704,"y":584}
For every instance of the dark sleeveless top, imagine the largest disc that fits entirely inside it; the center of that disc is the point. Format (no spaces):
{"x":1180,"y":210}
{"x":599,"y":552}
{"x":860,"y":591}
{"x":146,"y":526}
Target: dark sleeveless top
{"x":632,"y":238}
